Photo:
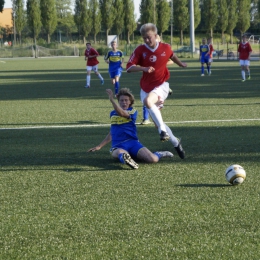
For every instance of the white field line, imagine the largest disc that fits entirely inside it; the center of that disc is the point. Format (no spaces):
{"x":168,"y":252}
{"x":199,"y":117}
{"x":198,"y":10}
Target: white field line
{"x":107,"y":125}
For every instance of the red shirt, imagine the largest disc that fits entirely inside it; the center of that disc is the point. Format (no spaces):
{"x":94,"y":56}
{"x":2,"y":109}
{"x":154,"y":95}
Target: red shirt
{"x":244,"y":49}
{"x":156,"y":58}
{"x":211,"y":49}
{"x":91,"y":61}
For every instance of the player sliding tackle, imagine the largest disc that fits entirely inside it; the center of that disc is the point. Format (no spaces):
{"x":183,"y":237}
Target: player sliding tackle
{"x":151,"y":59}
{"x":123,"y":133}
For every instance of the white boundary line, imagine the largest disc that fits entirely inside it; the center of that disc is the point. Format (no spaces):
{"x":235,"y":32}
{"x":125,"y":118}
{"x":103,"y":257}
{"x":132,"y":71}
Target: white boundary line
{"x":103,"y":125}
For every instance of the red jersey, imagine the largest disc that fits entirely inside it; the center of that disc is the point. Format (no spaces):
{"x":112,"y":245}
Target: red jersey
{"x":156,"y":58}
{"x":244,"y":49}
{"x":91,"y":61}
{"x":211,"y":49}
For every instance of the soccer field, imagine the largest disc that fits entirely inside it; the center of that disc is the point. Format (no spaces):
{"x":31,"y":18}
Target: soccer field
{"x":60,"y":202}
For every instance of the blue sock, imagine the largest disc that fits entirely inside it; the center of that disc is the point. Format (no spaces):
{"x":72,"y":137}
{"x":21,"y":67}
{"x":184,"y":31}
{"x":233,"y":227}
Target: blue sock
{"x":158,"y":155}
{"x":145,"y":113}
{"x":120,"y":157}
{"x":116,"y":87}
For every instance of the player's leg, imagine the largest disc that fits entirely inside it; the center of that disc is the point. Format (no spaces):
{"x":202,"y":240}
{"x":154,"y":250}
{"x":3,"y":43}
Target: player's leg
{"x":149,"y":100}
{"x":147,"y":156}
{"x":116,"y":84}
{"x":243,"y":74}
{"x":124,"y":157}
{"x":202,"y":68}
{"x":145,"y":120}
{"x":247,"y":69}
{"x":95,"y":69}
{"x":89,"y":68}
{"x":209,"y":67}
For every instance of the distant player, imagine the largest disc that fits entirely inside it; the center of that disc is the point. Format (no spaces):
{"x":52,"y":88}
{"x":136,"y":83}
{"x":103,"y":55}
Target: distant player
{"x":244,"y":51}
{"x":115,"y":59}
{"x":123,"y":133}
{"x":211,"y":49}
{"x":92,"y":64}
{"x":204,"y":55}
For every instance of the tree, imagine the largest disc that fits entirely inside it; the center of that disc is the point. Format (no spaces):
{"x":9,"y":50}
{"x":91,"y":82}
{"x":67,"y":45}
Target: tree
{"x":164,"y":16}
{"x":197,"y":13}
{"x":120,"y":16}
{"x":107,"y":14}
{"x":210,"y":13}
{"x":2,"y":3}
{"x":34,"y":17}
{"x":95,"y":17}
{"x":181,"y":16}
{"x":65,"y":19}
{"x":130,"y":23}
{"x":147,"y":11}
{"x":49,"y":17}
{"x":243,"y":22}
{"x":223,"y":17}
{"x":232,"y":17}
{"x":81,"y":18}
{"x":19,"y":17}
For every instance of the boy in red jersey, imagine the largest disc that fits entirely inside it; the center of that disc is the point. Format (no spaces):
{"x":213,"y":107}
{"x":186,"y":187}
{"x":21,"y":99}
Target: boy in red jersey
{"x":151,"y":58}
{"x":244,"y":51}
{"x":92,"y":64}
{"x":211,"y":49}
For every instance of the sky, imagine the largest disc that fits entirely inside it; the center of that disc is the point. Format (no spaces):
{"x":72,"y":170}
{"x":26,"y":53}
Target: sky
{"x":8,"y":4}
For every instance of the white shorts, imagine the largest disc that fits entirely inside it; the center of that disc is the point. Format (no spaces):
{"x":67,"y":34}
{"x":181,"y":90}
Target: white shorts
{"x":161,"y":91}
{"x":244,"y":62}
{"x":94,"y":68}
{"x":210,"y":60}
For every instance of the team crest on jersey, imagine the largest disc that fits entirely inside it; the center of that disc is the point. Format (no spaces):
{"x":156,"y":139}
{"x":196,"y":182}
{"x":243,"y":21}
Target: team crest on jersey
{"x":163,"y":54}
{"x":153,"y":58}
{"x":144,"y":55}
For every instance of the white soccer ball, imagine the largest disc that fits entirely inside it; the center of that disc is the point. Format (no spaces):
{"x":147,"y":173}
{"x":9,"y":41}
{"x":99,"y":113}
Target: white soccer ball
{"x":235,"y":174}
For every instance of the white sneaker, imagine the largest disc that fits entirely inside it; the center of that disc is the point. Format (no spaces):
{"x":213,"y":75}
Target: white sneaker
{"x":202,"y":75}
{"x":165,"y":154}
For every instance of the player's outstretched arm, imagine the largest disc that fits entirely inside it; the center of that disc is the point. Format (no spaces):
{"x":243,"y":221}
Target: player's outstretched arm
{"x":176,"y":60}
{"x":103,"y":143}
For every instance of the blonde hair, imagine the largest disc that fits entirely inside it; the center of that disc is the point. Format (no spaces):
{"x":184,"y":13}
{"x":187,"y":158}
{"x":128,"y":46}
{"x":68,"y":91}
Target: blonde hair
{"x":126,"y":92}
{"x":148,"y":27}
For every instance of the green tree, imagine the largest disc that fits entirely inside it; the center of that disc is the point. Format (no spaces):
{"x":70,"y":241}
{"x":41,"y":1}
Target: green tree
{"x":95,"y":18}
{"x":107,"y":14}
{"x":181,"y":16}
{"x":34,"y":17}
{"x":243,"y":9}
{"x":223,"y":16}
{"x":65,"y":18}
{"x":210,"y":13}
{"x":2,"y":3}
{"x":81,"y":18}
{"x":164,"y":16}
{"x":130,"y":23}
{"x":232,"y":17}
{"x":49,"y":17}
{"x":20,"y":18}
{"x":197,"y":13}
{"x":120,"y":16}
{"x":147,"y":11}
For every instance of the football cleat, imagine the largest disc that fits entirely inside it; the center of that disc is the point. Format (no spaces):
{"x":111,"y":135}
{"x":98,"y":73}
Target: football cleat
{"x":164,"y":136}
{"x":243,"y":80}
{"x":248,"y":77}
{"x":180,"y":150}
{"x":129,"y":161}
{"x":102,"y":82}
{"x":87,"y":86}
{"x":146,"y":122}
{"x":163,"y":154}
{"x":202,"y":75}
{"x":170,"y":91}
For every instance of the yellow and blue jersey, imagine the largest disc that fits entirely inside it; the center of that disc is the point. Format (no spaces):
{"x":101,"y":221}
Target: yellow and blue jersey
{"x":115,"y":59}
{"x":204,"y":49}
{"x":123,"y":129}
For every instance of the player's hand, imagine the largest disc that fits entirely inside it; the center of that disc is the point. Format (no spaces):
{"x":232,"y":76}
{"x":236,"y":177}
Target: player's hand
{"x":96,"y":148}
{"x":149,"y":69}
{"x":183,"y":65}
{"x":110,"y":93}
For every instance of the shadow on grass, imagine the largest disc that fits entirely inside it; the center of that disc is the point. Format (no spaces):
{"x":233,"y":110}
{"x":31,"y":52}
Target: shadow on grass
{"x":201,"y":185}
{"x":224,"y":83}
{"x":67,"y":148}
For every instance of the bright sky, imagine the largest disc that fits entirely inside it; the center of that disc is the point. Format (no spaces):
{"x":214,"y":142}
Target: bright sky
{"x":8,"y":4}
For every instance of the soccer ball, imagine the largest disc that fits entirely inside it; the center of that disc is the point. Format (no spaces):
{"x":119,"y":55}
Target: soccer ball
{"x":235,"y":174}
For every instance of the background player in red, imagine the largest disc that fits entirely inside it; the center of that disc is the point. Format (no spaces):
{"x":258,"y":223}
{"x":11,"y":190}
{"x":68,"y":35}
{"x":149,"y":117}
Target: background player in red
{"x":151,"y":58}
{"x":92,"y":64}
{"x":211,"y":49}
{"x":244,"y":51}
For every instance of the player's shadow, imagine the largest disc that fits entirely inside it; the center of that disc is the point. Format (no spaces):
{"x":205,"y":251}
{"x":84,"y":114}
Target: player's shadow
{"x":203,"y":185}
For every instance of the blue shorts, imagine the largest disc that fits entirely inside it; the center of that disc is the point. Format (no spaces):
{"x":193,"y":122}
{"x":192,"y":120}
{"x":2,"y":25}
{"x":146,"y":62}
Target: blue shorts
{"x":115,"y":73}
{"x":204,"y":59}
{"x":131,"y":146}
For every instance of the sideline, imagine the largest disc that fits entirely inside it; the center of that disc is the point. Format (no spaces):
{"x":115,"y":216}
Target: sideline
{"x":107,"y":125}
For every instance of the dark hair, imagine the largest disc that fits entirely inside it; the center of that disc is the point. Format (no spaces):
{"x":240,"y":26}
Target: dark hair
{"x":126,"y":92}
{"x":88,"y":43}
